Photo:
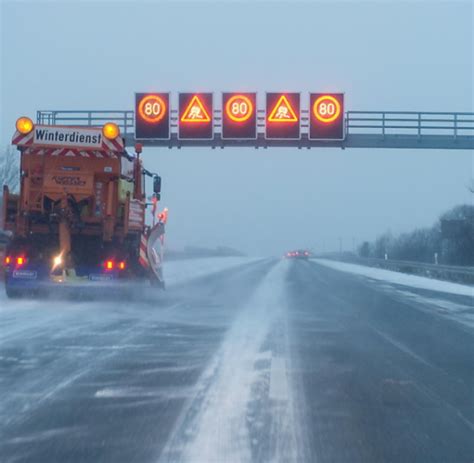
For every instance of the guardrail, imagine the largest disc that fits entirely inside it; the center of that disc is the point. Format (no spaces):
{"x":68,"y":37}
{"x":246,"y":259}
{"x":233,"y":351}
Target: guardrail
{"x":378,"y":122}
{"x":455,"y":273}
{"x":364,"y":129}
{"x":124,"y":119}
{"x":410,"y":123}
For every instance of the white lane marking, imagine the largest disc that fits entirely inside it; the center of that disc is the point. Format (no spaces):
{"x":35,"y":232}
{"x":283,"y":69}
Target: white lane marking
{"x":43,"y":435}
{"x":137,"y":392}
{"x":278,"y":379}
{"x":401,"y":347}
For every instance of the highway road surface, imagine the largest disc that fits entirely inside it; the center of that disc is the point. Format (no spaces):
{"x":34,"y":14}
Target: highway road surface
{"x":253,"y":361}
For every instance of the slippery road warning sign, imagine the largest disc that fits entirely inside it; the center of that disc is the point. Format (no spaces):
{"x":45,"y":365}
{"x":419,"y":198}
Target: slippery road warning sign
{"x":195,"y":116}
{"x":283,"y":111}
{"x":283,"y":116}
{"x":195,"y":111}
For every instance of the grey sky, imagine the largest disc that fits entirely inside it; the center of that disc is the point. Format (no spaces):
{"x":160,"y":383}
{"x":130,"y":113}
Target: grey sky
{"x":383,"y":55}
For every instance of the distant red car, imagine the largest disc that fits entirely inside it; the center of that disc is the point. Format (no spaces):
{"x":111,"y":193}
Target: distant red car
{"x":299,"y":254}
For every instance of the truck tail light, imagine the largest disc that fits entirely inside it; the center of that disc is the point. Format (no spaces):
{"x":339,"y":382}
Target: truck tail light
{"x":20,"y":261}
{"x":109,"y":264}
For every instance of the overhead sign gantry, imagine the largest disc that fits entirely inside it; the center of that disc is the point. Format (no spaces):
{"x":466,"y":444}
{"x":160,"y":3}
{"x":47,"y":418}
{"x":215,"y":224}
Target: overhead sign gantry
{"x":274,"y":119}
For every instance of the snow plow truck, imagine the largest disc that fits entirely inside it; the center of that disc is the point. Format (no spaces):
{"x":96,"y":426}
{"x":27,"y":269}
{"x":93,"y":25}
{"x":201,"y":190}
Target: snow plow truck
{"x":78,"y":221}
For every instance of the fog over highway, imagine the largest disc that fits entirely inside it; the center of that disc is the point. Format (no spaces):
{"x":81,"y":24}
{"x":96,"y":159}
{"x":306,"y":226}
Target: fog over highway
{"x":141,"y":136}
{"x":384,"y":55}
{"x":243,"y":360}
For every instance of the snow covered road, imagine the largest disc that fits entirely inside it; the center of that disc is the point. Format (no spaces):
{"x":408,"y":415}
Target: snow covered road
{"x":242,"y":360}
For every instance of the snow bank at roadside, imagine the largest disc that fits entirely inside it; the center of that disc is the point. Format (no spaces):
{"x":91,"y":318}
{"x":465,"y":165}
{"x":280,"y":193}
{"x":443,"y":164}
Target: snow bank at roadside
{"x":400,"y":278}
{"x":179,"y":271}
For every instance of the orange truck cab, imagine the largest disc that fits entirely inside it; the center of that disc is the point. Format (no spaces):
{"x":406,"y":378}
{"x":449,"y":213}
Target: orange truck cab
{"x":79,"y":218}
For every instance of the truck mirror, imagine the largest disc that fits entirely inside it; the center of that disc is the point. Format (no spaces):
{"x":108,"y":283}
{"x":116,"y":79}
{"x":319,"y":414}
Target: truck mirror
{"x":157,"y":184}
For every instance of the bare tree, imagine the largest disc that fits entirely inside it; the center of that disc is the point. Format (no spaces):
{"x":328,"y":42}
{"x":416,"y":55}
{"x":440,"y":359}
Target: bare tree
{"x":9,"y":169}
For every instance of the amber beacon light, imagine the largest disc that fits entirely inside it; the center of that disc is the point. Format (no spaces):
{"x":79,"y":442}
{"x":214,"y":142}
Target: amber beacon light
{"x":110,"y":131}
{"x":24,"y":125}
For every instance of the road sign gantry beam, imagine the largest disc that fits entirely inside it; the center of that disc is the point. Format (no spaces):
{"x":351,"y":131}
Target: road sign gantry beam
{"x":363,"y":129}
{"x":351,"y":141}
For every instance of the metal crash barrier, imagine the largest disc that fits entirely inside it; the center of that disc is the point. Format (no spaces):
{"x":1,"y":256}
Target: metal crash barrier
{"x":363,"y":129}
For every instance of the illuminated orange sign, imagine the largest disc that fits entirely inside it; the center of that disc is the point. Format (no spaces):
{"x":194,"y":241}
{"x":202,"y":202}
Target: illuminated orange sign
{"x":152,"y":108}
{"x":152,"y":116}
{"x":239,"y":116}
{"x":326,"y":108}
{"x":195,"y":116}
{"x":283,"y":116}
{"x":239,"y":108}
{"x":326,"y":116}
{"x":195,"y":112}
{"x":283,"y":111}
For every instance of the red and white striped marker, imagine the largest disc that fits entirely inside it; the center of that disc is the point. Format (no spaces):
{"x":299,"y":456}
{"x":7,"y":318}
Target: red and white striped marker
{"x":142,"y":258}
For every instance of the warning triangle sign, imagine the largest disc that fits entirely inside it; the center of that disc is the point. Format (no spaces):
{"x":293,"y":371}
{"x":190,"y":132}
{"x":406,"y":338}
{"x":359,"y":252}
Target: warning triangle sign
{"x":283,"y":111}
{"x":195,"y":112}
